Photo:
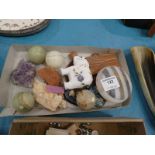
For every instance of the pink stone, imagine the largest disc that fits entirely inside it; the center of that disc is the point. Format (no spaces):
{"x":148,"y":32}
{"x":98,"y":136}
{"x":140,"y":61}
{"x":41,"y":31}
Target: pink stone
{"x":55,"y":89}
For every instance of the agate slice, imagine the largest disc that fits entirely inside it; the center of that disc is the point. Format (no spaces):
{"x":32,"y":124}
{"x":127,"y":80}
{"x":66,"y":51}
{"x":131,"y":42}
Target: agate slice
{"x":144,"y":60}
{"x":114,"y":84}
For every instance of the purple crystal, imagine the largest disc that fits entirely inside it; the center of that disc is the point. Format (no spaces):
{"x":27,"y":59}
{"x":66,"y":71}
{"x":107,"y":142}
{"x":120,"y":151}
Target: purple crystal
{"x":24,"y":74}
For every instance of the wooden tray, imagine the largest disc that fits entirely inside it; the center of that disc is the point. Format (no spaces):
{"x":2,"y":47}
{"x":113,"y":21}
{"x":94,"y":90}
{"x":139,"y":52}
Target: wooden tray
{"x":18,"y":52}
{"x":105,"y":126}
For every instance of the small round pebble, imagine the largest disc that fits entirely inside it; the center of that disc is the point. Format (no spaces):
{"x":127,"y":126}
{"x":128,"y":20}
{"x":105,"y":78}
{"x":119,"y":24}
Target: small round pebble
{"x":85,"y":100}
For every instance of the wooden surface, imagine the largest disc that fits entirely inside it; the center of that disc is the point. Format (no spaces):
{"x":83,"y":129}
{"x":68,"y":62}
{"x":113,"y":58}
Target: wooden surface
{"x":105,"y":126}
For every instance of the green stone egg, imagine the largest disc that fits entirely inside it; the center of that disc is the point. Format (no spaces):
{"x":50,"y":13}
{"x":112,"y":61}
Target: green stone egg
{"x":37,"y":54}
{"x":23,"y":102}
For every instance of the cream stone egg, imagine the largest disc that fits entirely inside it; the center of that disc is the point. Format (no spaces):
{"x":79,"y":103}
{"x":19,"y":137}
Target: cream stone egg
{"x":54,"y":59}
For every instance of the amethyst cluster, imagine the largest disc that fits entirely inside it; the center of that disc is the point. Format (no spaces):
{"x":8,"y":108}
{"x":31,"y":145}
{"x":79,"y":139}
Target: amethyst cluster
{"x":24,"y":74}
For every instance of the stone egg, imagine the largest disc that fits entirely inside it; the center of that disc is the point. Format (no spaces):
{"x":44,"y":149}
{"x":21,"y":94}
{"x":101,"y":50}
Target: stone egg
{"x":36,"y":54}
{"x":86,"y":100}
{"x":23,"y":101}
{"x":54,"y":59}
